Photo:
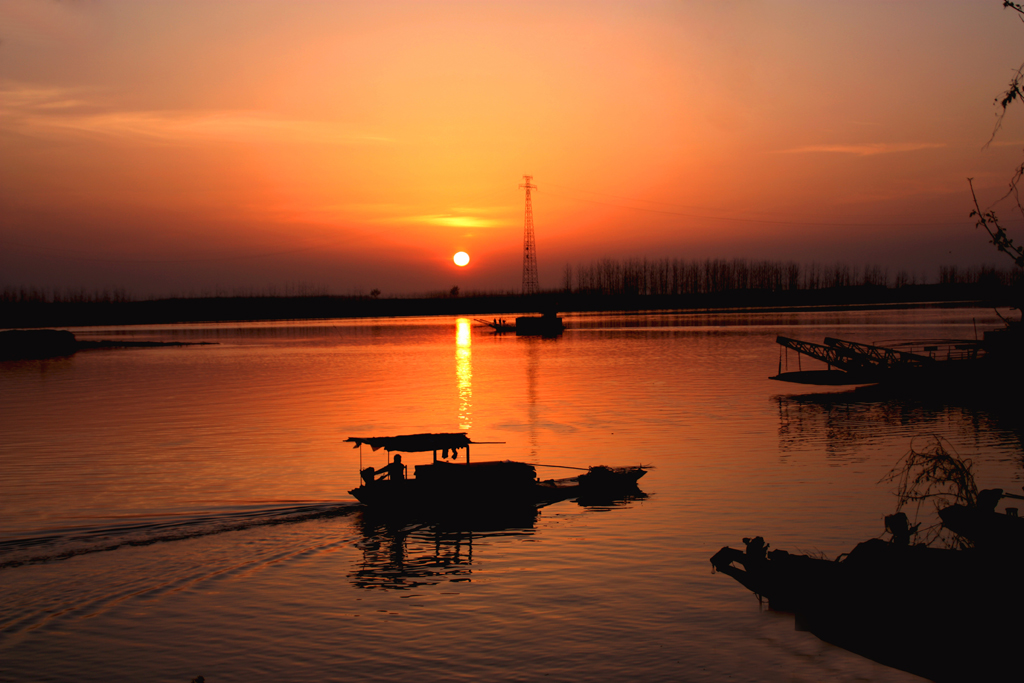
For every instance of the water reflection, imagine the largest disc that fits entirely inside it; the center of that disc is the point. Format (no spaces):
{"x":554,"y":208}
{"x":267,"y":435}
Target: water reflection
{"x":844,"y":423}
{"x":464,"y":371}
{"x":531,"y":393}
{"x":400,"y":555}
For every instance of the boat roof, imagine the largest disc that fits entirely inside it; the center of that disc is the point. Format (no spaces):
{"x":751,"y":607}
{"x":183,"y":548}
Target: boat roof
{"x":414,"y":443}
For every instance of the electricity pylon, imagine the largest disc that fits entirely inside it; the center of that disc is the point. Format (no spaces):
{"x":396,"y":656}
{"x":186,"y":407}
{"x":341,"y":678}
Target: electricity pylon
{"x":530,"y":285}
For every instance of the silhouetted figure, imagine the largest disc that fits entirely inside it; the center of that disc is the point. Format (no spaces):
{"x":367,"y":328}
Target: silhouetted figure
{"x":367,"y":475}
{"x":899,"y":526}
{"x":395,"y":470}
{"x":757,"y":549}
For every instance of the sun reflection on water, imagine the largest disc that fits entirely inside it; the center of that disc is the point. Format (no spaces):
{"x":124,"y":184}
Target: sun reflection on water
{"x":464,"y":371}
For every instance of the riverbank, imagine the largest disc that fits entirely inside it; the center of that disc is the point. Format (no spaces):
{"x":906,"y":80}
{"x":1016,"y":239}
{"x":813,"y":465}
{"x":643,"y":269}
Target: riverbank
{"x":35,"y":314}
{"x":45,"y":343}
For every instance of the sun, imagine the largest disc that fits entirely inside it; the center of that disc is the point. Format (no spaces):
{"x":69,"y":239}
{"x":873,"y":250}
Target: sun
{"x":461,"y":259}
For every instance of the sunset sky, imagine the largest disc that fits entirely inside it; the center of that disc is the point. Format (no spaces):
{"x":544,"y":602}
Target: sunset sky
{"x":178,"y":147}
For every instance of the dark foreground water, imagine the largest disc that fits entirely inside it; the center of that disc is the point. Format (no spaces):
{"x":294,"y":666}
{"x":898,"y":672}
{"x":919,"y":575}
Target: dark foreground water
{"x":173,"y":512}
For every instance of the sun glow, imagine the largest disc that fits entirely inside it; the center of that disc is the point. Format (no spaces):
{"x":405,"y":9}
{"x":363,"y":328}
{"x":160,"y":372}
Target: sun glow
{"x":461,"y":259}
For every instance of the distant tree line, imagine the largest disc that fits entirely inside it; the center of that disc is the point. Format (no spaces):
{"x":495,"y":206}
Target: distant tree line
{"x":606,"y":276}
{"x":82,"y":295}
{"x":64,"y":295}
{"x":675,"y":276}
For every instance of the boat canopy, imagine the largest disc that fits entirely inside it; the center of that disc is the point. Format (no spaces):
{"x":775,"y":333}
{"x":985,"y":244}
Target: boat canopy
{"x":414,"y":443}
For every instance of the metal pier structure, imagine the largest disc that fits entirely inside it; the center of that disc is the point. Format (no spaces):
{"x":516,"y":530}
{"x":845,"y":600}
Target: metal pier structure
{"x":850,"y":362}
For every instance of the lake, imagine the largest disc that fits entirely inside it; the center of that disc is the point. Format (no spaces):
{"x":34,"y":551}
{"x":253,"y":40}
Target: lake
{"x":173,"y":512}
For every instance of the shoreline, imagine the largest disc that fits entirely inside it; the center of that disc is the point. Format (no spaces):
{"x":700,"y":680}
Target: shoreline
{"x":36,"y":314}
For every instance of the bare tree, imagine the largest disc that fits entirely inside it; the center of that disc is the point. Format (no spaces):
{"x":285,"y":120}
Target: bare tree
{"x":987,"y":219}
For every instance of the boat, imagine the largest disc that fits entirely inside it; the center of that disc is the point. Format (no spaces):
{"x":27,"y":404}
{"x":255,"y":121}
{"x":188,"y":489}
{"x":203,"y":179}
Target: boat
{"x":982,"y":526}
{"x":547,"y":325}
{"x":947,"y":614}
{"x":447,"y":485}
{"x":500,"y":326}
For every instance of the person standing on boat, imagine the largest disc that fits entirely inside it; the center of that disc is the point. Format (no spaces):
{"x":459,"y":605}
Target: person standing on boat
{"x":395,"y":470}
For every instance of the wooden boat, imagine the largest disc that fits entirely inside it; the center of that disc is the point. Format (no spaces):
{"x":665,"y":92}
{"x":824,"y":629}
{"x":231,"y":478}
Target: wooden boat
{"x":547,"y":325}
{"x":499,"y":326}
{"x":945,"y":614}
{"x":982,"y":526}
{"x":497,"y":486}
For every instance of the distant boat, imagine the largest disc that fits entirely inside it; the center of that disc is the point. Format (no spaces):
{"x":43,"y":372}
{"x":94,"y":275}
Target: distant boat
{"x":442,"y":487}
{"x":547,"y":325}
{"x":499,"y":326}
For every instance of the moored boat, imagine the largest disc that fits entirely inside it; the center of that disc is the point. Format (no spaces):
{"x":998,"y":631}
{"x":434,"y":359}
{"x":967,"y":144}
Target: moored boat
{"x":943,"y":613}
{"x":547,"y":325}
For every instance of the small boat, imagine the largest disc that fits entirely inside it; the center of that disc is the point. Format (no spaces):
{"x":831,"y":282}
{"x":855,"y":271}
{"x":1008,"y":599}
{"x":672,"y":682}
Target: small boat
{"x":500,"y":326}
{"x":442,"y":486}
{"x":547,"y":325}
{"x":982,"y":526}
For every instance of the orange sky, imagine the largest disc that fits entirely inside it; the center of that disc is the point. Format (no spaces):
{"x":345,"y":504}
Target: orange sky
{"x":176,"y":147}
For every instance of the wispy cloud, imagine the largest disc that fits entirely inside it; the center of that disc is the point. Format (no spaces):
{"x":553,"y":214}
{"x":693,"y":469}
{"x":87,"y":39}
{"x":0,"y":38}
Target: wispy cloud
{"x":502,"y":210}
{"x":865,"y":149}
{"x":21,"y":97}
{"x":452,"y":220}
{"x":186,"y":126}
{"x":49,"y":111}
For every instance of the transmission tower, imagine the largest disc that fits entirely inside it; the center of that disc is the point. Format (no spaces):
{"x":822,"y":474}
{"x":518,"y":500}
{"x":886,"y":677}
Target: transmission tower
{"x":530,"y":285}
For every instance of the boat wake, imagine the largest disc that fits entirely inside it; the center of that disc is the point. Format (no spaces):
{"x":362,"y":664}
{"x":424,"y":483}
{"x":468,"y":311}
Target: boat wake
{"x":62,"y":544}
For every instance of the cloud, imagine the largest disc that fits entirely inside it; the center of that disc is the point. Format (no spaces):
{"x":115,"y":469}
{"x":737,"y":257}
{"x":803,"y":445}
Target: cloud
{"x":24,"y":97}
{"x":865,"y":149}
{"x":46,"y":112}
{"x":455,"y":221}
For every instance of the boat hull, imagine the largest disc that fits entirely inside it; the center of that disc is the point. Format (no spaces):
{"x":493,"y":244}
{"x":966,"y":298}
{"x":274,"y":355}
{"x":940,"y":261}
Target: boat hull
{"x":539,"y":326}
{"x":486,"y":488}
{"x":935,"y":612}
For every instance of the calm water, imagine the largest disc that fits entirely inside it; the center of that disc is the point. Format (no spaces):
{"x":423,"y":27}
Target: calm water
{"x":171,"y":512}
